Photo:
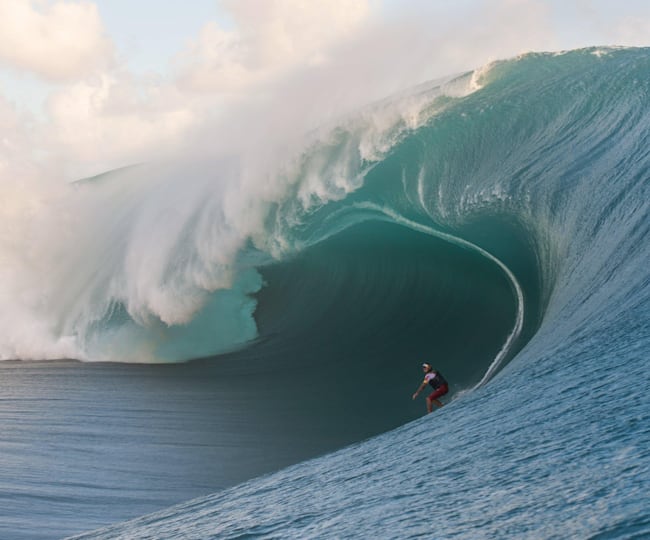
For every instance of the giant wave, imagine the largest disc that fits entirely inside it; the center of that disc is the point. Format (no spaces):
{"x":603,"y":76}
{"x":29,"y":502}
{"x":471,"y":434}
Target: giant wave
{"x":497,"y":216}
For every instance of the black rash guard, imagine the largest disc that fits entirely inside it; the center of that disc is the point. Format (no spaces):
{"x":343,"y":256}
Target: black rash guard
{"x":435,"y":379}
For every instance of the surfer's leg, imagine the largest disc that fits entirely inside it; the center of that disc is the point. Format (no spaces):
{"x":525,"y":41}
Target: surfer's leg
{"x":433,"y":398}
{"x":429,"y":405}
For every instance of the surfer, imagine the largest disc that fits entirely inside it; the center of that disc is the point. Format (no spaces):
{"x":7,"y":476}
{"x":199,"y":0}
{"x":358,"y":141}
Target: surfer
{"x":437,"y":382}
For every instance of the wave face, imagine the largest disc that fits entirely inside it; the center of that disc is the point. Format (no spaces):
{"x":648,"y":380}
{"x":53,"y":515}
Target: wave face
{"x":508,"y":219}
{"x":170,"y":261}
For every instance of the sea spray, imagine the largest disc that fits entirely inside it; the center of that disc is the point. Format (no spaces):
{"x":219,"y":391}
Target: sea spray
{"x":132,"y":265}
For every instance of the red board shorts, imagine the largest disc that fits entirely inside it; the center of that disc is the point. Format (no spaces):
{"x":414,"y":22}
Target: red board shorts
{"x":439,"y":392}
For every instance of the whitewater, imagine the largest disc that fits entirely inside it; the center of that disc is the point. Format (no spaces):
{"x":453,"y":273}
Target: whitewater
{"x":250,"y":324}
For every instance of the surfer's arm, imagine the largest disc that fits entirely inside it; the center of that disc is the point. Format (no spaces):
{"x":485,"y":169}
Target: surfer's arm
{"x":424,"y":383}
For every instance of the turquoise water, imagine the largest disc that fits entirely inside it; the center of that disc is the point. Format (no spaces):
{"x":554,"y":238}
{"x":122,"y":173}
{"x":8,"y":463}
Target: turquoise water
{"x":496,"y":226}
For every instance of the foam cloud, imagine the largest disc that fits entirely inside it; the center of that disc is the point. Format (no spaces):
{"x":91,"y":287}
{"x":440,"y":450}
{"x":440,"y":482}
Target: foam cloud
{"x":18,"y":139}
{"x":268,"y":37}
{"x":278,"y":70}
{"x":57,"y":41}
{"x":114,"y":117}
{"x":113,"y":120}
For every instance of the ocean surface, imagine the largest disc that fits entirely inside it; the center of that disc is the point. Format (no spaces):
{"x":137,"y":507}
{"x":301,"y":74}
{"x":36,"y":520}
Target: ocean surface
{"x":229,"y":348}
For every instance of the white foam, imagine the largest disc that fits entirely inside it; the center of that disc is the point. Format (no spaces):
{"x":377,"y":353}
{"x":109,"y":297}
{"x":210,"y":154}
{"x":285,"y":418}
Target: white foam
{"x":161,"y":239}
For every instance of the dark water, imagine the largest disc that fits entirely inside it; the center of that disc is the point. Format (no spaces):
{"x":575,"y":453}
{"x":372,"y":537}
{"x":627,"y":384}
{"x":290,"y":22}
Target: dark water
{"x":85,"y":445}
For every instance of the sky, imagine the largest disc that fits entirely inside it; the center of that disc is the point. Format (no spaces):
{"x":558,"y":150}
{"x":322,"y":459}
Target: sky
{"x":90,"y":85}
